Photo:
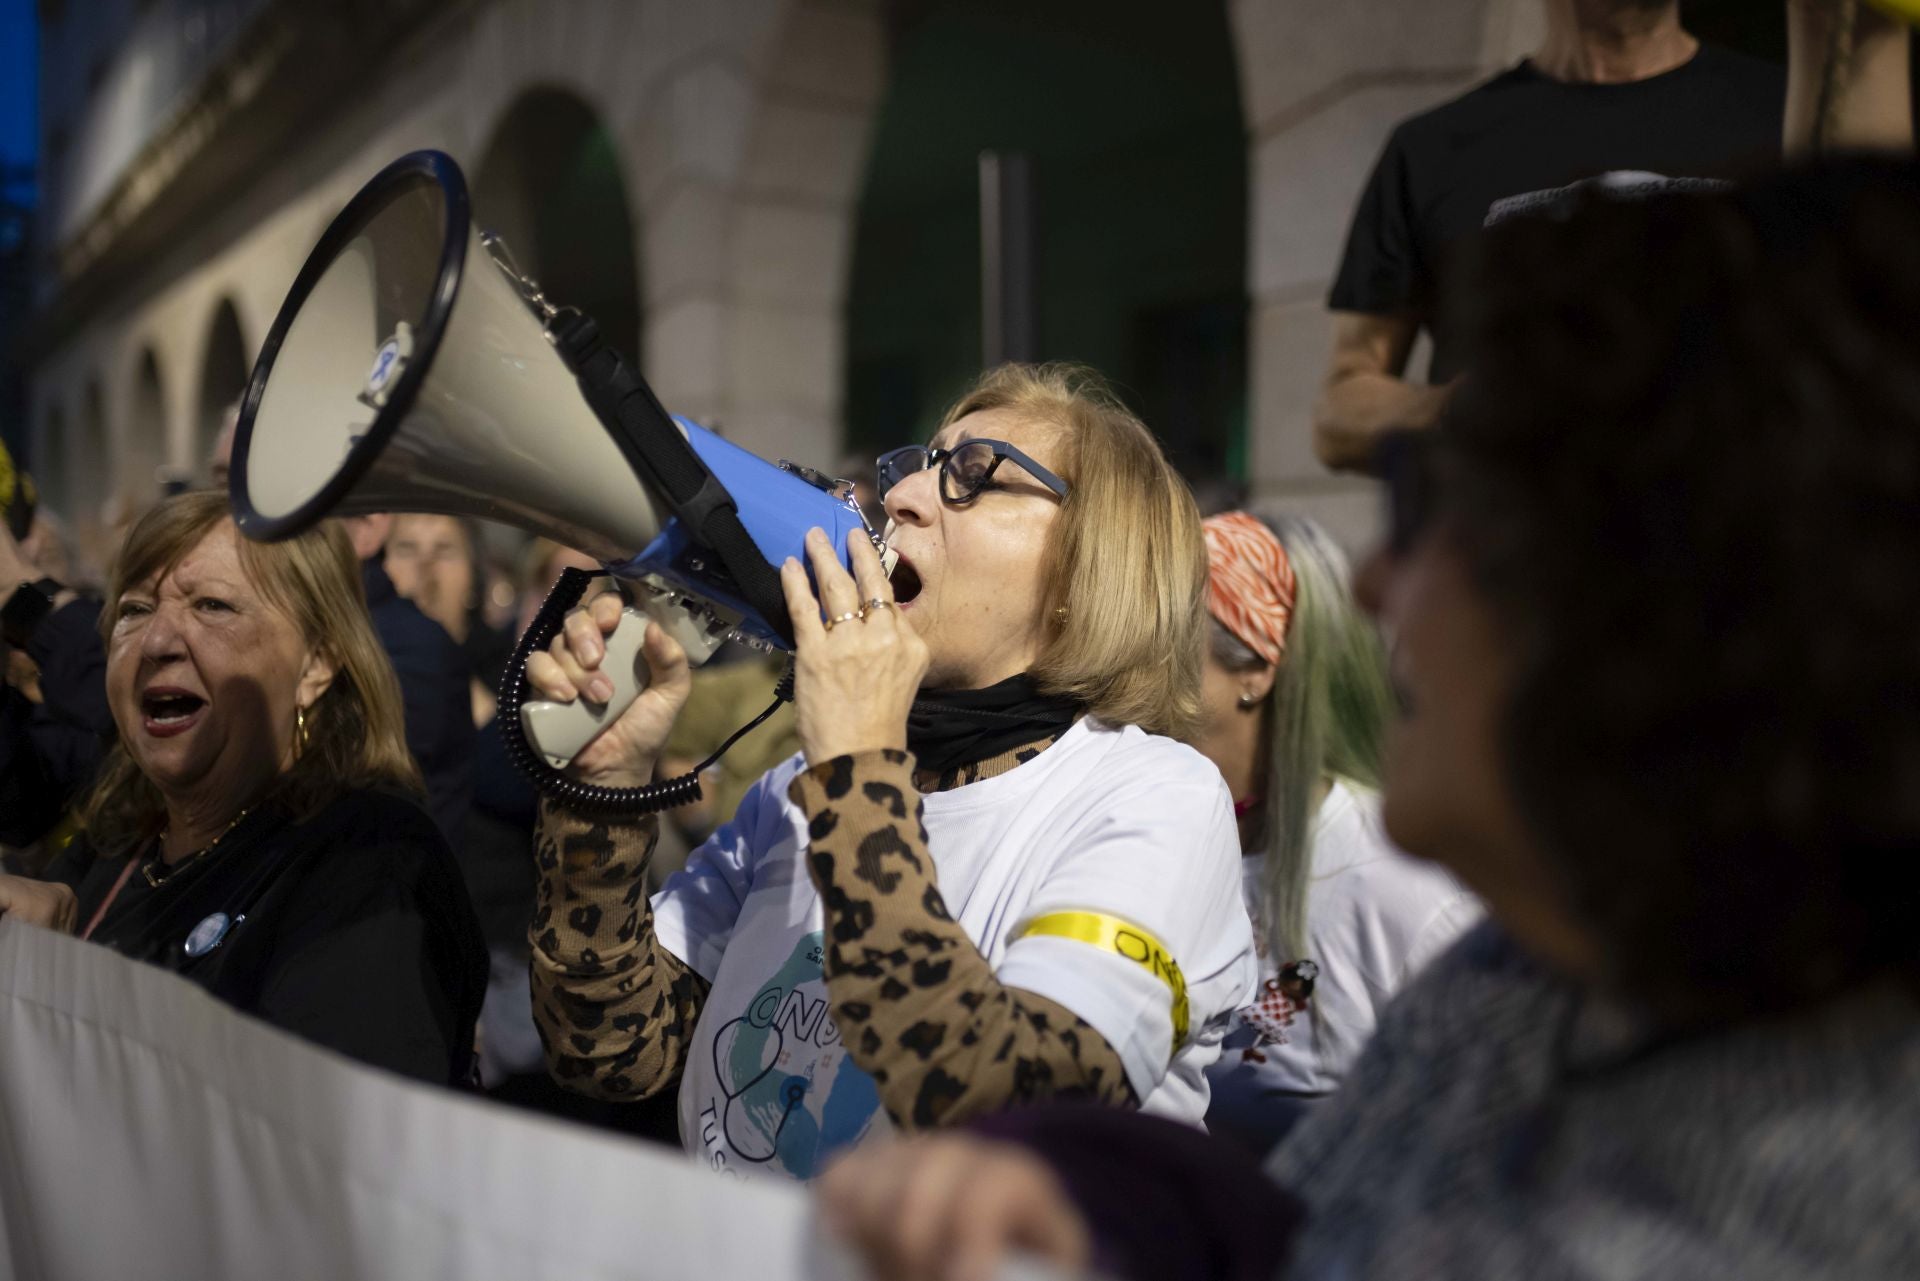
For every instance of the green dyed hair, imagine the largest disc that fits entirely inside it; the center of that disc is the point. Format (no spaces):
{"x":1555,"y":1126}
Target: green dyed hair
{"x":1326,"y":717}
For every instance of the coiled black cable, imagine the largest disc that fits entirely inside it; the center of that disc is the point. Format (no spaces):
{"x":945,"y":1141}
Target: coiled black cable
{"x":571,"y":792}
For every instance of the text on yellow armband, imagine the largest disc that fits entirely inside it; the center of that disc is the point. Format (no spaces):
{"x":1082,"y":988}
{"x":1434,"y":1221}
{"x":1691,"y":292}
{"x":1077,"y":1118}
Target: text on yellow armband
{"x":1127,"y":941}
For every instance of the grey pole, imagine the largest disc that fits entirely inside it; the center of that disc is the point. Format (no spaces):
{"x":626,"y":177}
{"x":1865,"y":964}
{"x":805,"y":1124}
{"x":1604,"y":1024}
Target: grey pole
{"x":1009,"y":285}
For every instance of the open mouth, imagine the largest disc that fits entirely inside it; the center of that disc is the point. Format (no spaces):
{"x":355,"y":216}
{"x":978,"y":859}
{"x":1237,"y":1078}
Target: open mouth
{"x":169,"y":711}
{"x":906,"y":582}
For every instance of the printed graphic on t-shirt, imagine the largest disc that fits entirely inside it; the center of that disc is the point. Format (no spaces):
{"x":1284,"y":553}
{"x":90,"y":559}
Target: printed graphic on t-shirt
{"x":1618,"y":184}
{"x":1268,"y":1018}
{"x":1278,"y":1000}
{"x":784,"y":1091}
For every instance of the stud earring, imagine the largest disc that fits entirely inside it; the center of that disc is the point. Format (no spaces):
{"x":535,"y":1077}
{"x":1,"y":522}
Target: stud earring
{"x":1248,"y":701}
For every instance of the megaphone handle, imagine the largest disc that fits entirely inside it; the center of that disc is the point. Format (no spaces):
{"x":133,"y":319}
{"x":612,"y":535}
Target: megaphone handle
{"x":558,"y":731}
{"x":584,"y":797}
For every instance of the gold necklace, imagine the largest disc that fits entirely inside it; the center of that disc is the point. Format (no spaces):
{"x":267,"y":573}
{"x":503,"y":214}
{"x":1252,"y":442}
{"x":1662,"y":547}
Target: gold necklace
{"x":158,"y":878}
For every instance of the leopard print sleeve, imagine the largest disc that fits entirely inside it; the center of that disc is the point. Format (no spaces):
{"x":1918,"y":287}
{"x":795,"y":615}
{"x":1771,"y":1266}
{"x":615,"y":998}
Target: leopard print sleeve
{"x":614,"y":1007}
{"x":915,"y":1001}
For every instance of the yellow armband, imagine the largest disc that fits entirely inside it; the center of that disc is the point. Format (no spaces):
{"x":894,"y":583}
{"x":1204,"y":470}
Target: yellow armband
{"x":1126,"y":941}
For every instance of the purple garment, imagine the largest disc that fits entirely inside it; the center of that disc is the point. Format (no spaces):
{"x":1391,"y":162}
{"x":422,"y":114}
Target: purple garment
{"x":1164,"y":1202}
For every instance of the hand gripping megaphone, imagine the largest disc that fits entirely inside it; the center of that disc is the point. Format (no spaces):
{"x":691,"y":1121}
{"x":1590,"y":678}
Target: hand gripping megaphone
{"x":414,"y":368}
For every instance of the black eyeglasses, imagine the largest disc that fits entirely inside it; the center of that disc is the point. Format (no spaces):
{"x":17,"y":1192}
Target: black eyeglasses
{"x":965,"y":470}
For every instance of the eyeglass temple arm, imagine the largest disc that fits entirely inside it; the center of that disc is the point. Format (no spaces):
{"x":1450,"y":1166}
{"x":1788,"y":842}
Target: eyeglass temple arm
{"x":1039,"y":473}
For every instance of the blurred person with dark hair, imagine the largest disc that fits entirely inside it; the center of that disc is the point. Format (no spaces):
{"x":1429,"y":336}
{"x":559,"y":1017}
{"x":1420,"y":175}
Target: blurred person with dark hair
{"x":254,"y":828}
{"x":1661,"y":701}
{"x":505,"y":804}
{"x":1618,"y":95}
{"x":435,"y":685}
{"x":54,"y":722}
{"x":435,"y":562}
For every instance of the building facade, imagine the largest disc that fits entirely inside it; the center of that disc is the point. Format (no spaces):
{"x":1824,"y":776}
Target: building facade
{"x":692,"y":171}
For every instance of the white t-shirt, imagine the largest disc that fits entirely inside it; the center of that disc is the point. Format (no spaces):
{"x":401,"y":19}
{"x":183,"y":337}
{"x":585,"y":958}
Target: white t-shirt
{"x":1374,"y":918}
{"x":1106,"y":820}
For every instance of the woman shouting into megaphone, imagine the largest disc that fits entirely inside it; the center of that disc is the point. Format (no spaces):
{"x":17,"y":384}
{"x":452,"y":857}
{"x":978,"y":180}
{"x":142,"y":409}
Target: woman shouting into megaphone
{"x":991,"y":877}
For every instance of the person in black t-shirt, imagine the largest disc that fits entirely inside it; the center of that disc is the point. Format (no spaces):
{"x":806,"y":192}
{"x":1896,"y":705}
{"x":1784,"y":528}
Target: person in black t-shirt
{"x":1619,"y":94}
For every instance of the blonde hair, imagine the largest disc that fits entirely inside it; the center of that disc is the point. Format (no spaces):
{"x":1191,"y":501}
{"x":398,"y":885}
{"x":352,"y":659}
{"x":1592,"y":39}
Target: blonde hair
{"x":1124,"y":603}
{"x":1326,"y":718}
{"x":355,"y":731}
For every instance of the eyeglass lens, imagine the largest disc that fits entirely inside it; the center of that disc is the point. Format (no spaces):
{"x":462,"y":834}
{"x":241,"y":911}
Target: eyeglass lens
{"x":965,"y":470}
{"x":898,"y":464}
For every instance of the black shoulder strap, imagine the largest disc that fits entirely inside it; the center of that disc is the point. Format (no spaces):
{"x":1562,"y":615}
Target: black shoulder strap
{"x":661,"y":457}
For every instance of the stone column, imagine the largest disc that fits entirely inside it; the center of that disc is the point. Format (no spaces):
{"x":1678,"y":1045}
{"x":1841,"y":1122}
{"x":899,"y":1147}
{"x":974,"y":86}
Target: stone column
{"x":818,"y":86}
{"x":1322,"y":86}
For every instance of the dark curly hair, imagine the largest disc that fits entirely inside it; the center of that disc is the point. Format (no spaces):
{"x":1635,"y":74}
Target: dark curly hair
{"x":1686,"y":470}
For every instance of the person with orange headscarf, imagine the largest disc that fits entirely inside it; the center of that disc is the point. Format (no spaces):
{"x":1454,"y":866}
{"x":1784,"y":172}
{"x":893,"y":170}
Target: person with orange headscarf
{"x":1294,"y":703}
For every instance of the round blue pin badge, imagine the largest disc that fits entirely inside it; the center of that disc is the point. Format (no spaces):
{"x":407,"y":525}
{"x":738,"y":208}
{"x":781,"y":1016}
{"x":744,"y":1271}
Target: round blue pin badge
{"x":208,"y":934}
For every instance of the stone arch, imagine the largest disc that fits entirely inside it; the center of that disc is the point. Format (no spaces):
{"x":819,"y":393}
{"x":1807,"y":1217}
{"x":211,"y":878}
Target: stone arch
{"x":742,"y":130}
{"x":143,"y":448}
{"x":550,"y":181}
{"x":225,"y":365}
{"x":573,"y":46}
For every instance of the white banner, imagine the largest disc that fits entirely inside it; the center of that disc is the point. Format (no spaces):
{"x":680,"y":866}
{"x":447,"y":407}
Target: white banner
{"x":146,"y":1131}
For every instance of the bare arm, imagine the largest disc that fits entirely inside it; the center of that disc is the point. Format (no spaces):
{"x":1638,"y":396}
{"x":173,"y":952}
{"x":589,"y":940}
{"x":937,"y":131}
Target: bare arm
{"x":1869,"y":104}
{"x":1366,"y":394}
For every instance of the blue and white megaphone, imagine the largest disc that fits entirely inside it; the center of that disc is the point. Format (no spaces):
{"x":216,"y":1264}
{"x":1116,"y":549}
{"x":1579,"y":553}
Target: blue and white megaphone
{"x":414,"y":368}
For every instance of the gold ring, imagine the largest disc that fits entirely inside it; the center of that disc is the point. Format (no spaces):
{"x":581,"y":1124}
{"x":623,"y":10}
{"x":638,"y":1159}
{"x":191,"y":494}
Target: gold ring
{"x":846,"y":618}
{"x":877,"y":603}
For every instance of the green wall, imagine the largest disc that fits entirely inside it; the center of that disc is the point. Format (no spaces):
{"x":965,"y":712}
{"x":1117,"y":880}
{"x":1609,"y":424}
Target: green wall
{"x":1131,"y":113}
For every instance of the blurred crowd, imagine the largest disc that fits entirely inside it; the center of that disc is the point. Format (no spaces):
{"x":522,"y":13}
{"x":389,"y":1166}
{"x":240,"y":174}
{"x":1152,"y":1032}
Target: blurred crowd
{"x":1129,"y":878}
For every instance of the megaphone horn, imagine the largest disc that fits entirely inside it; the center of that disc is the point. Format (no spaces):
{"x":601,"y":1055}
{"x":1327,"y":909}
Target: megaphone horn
{"x":415,"y":367}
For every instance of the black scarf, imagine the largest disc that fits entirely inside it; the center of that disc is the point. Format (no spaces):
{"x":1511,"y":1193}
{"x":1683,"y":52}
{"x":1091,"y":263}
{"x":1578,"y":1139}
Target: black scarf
{"x":950,"y":728}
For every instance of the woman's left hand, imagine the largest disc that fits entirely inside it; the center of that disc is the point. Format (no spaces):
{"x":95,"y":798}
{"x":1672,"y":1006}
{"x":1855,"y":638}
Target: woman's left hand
{"x":856,"y":675}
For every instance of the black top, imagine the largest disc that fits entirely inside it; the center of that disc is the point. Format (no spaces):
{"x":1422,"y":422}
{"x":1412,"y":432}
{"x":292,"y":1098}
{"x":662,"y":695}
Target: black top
{"x":1514,"y":143}
{"x":50,"y":750}
{"x":351,"y":929}
{"x":435,"y":691}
